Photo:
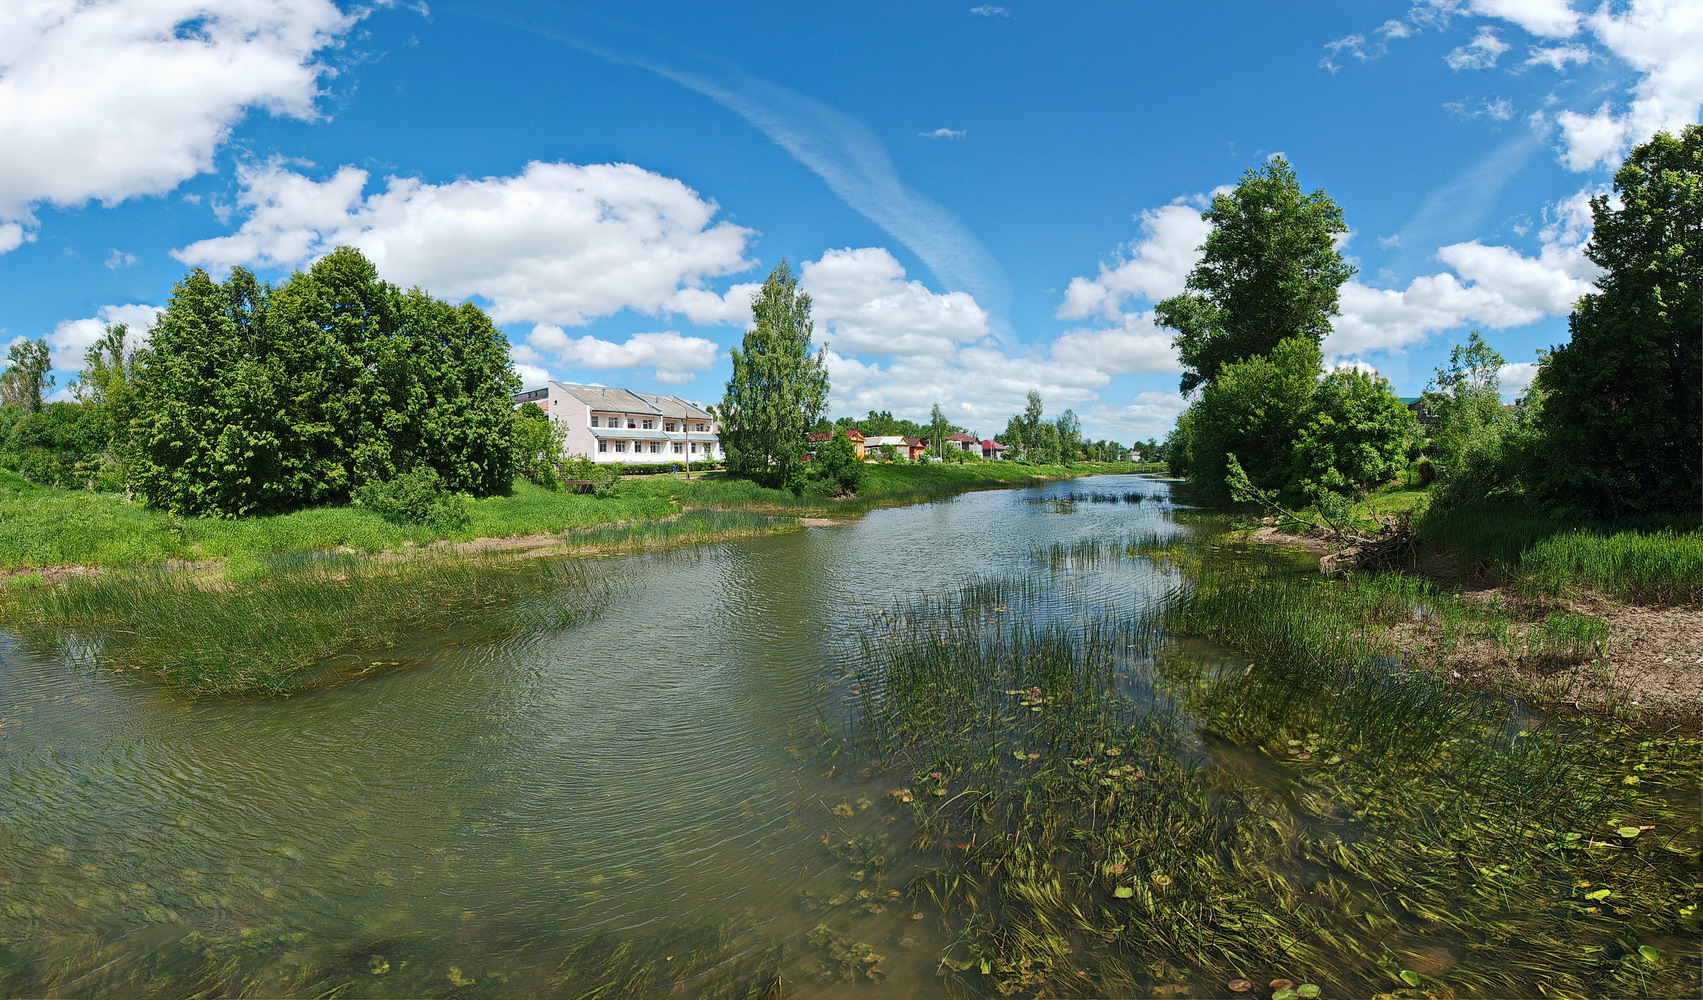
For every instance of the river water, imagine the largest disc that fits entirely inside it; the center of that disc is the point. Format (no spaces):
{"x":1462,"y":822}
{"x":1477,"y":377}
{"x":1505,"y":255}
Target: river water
{"x":456,"y":826}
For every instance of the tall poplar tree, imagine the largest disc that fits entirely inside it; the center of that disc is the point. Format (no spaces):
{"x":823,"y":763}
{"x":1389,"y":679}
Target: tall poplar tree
{"x":778,"y":388}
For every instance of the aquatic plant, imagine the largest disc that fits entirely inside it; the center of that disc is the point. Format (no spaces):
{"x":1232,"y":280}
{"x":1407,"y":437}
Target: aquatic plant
{"x":294,"y":621}
{"x":1112,"y":814}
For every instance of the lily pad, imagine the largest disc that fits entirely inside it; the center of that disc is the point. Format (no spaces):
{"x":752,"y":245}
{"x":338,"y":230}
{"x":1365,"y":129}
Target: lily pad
{"x":1307,"y":991}
{"x":1649,"y":954}
{"x":1629,"y":832}
{"x":1123,"y":892}
{"x":1240,"y":985}
{"x":1410,"y":978}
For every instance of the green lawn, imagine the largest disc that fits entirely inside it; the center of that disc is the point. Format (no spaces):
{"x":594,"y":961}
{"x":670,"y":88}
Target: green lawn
{"x":43,"y":527}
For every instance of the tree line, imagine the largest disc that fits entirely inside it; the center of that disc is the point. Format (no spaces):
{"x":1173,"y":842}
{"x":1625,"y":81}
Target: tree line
{"x":1609,"y":427}
{"x":254,"y":399}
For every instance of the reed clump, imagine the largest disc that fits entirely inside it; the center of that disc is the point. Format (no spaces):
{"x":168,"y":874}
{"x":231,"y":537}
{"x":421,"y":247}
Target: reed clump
{"x":263,"y":626}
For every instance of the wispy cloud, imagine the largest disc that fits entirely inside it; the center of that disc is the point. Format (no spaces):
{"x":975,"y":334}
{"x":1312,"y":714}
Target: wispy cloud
{"x":945,"y":133}
{"x":989,"y":10}
{"x":842,"y":151}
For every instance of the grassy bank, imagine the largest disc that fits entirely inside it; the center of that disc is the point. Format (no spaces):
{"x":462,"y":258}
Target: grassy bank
{"x":1645,"y":561}
{"x":283,"y":624}
{"x":1112,"y":814}
{"x":43,"y":527}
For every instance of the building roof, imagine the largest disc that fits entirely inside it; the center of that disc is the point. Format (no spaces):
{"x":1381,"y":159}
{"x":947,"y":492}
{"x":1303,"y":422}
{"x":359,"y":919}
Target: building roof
{"x":877,"y":440}
{"x":961,"y":437}
{"x":673,"y":406}
{"x":992,"y":445}
{"x":600,"y":397}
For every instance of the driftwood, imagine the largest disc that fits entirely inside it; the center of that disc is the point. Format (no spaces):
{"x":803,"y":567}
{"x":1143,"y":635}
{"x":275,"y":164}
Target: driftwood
{"x":1392,"y":546}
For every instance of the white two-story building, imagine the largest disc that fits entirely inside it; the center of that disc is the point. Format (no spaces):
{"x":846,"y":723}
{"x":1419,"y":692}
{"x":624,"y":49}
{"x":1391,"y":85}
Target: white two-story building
{"x":623,"y":425}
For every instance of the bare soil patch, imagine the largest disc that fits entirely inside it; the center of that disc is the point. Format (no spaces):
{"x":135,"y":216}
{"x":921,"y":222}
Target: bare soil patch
{"x":1651,"y":666}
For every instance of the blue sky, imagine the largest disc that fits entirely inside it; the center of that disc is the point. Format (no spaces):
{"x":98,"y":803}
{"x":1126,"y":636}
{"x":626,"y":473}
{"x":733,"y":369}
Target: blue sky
{"x":982,"y":199}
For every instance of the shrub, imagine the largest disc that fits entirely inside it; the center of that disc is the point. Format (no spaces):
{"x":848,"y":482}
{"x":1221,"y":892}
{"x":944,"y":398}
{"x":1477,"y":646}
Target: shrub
{"x":417,"y":497}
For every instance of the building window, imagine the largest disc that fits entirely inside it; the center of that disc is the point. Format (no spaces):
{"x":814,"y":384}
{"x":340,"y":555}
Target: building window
{"x":703,"y":427}
{"x":630,"y":425}
{"x":594,"y":420}
{"x":678,"y":447}
{"x":649,"y":424}
{"x":602,"y":446}
{"x":621,"y":446}
{"x":668,"y":426}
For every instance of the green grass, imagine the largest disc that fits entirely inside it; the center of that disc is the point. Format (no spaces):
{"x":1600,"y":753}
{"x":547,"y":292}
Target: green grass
{"x":278,"y":624}
{"x":44,"y":527}
{"x":1662,"y":567}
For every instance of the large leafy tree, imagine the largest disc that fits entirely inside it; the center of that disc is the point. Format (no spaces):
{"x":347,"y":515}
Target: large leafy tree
{"x":1620,"y":424}
{"x":1357,"y":436}
{"x":1255,"y":409}
{"x":1269,"y":271}
{"x":259,"y":400}
{"x":778,"y":388}
{"x":26,"y":380}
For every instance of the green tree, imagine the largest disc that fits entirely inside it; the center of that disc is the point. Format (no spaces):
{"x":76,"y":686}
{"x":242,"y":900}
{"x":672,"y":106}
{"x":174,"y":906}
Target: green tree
{"x":26,"y":381}
{"x":1620,"y":427}
{"x":778,"y":388}
{"x":1465,"y":398}
{"x":838,"y":465}
{"x":255,"y":400}
{"x":539,"y":446}
{"x":1269,"y":272}
{"x":1255,"y":409}
{"x":1357,"y":436}
{"x":1069,"y":430}
{"x":937,"y":432}
{"x":107,"y":385}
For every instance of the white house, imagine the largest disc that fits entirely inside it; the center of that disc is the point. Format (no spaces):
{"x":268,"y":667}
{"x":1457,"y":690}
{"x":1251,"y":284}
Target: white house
{"x":623,"y":425}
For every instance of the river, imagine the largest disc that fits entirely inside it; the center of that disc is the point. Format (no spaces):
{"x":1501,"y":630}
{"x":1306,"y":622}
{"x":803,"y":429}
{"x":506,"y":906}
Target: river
{"x":457,"y":825}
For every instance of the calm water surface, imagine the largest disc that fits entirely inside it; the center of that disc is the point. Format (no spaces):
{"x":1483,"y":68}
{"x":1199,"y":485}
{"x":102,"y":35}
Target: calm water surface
{"x":494,"y":803}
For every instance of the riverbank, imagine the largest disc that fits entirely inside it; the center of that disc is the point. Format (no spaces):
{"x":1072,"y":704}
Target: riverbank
{"x":59,"y":533}
{"x":274,"y":606}
{"x":1586,"y":617}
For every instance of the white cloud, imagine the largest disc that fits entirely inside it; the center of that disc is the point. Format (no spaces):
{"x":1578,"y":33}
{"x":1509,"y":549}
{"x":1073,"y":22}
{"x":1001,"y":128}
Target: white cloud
{"x":1501,"y":109}
{"x":558,"y":243}
{"x":13,"y":235}
{"x":1492,"y":286}
{"x":531,"y":376}
{"x":989,"y":10}
{"x":1480,"y":53}
{"x":1544,"y":18}
{"x":1137,"y":344}
{"x":1660,"y":39}
{"x":112,"y":99}
{"x":677,"y":359}
{"x":1354,"y":364}
{"x":1517,"y":377}
{"x":706,"y":308}
{"x":1151,"y":268}
{"x":1362,"y":48}
{"x":1149,"y":415}
{"x":982,"y":383}
{"x":118,"y":258}
{"x":945,"y":133}
{"x":864,"y":305}
{"x":1559,"y":57}
{"x":71,"y":338}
